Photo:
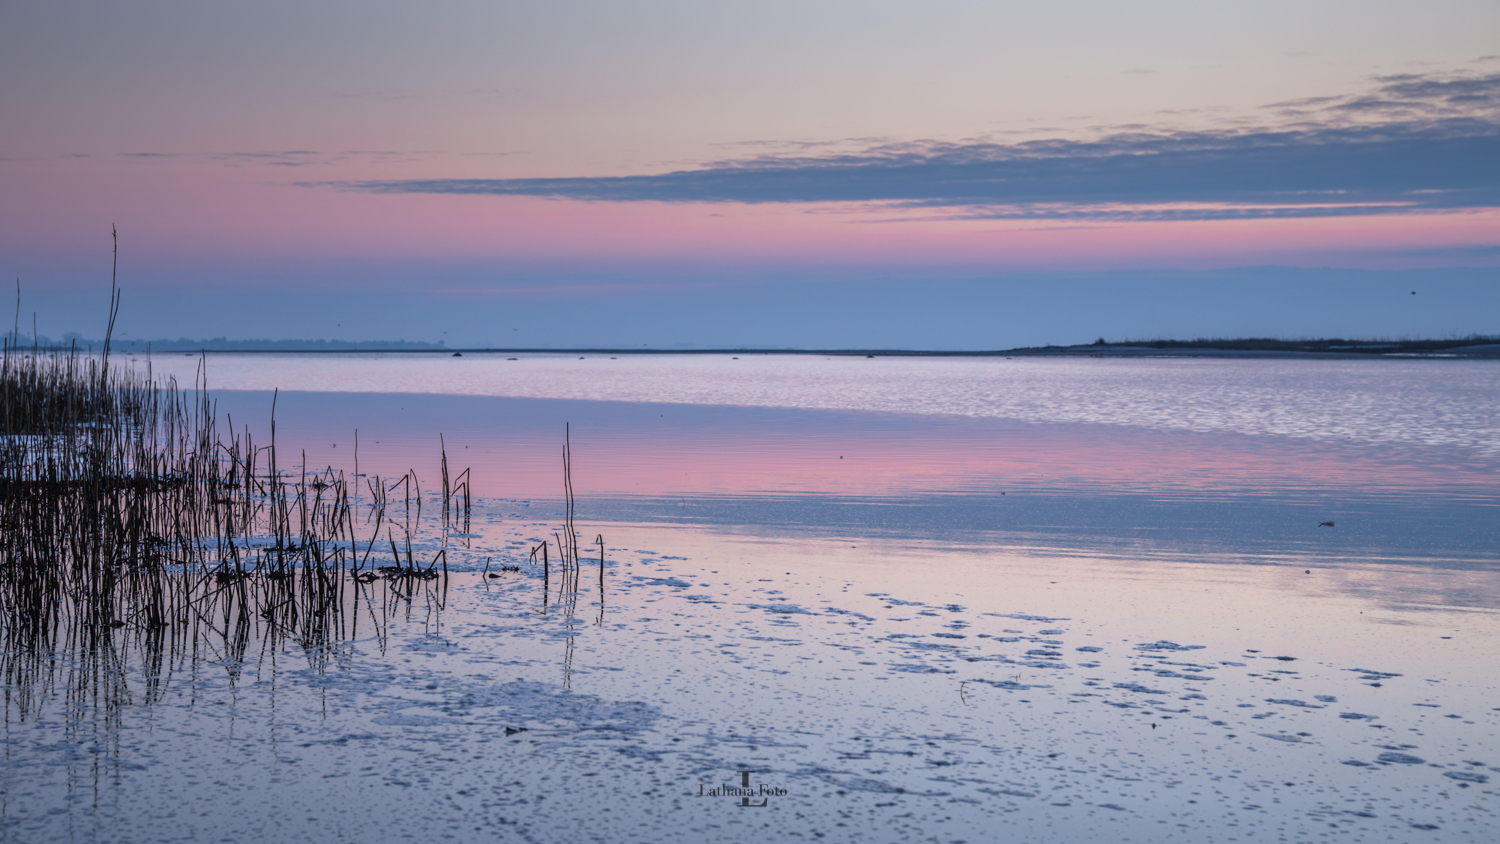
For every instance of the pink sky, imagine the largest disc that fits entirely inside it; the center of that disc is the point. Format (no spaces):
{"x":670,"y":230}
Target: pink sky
{"x":287,"y":149}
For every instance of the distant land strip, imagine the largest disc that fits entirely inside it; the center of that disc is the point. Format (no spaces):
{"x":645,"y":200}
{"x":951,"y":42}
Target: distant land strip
{"x":222,"y":344}
{"x":1462,"y":347}
{"x":1472,"y":346}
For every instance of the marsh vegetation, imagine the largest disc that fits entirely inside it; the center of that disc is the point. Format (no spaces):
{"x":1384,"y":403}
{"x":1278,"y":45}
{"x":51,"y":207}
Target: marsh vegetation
{"x":134,"y":529}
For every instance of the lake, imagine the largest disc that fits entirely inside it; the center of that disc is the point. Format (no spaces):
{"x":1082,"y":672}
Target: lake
{"x":837,"y":599}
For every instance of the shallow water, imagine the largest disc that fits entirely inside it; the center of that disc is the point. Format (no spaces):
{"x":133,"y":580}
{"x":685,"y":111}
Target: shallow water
{"x":1423,"y":402}
{"x":929,"y":600}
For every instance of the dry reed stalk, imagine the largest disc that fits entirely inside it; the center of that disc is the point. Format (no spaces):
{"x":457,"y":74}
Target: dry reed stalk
{"x":128,"y":521}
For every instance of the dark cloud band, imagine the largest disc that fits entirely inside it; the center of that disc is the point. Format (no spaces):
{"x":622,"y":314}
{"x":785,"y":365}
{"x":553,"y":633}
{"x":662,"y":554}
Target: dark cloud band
{"x":1415,"y":144}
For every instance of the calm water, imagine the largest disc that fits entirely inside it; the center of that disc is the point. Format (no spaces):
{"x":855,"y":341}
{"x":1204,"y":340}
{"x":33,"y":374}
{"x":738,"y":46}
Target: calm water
{"x":931,"y":600}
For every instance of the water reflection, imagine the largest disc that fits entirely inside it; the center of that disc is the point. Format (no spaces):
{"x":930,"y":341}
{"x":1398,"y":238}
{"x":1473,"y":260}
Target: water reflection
{"x":1096,"y":489}
{"x":235,"y":624}
{"x":1447,"y":404}
{"x":915,"y":622}
{"x":653,"y":449}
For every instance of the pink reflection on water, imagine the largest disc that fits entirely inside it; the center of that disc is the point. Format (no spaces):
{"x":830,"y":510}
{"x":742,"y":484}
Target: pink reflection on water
{"x":514,"y":447}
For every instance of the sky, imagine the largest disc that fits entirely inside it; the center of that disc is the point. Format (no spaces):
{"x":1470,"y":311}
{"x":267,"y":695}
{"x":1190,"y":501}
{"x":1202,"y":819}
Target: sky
{"x":813,"y":174}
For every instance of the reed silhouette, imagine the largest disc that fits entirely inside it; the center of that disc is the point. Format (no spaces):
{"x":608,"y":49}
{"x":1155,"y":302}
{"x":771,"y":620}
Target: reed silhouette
{"x":133,"y":531}
{"x":128,"y":521}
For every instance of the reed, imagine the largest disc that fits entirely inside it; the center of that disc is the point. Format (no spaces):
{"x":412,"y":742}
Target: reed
{"x":131,"y":523}
{"x":132,"y":530}
{"x":121,"y":505}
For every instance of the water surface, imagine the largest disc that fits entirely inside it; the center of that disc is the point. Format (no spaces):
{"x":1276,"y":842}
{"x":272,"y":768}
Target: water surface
{"x":928,"y":599}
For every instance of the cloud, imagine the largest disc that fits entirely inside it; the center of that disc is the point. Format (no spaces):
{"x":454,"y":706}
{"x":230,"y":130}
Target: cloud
{"x":378,"y":94}
{"x":1415,"y":143}
{"x":284,"y":158}
{"x":291,"y":153}
{"x":308,"y":157}
{"x":1474,"y":251}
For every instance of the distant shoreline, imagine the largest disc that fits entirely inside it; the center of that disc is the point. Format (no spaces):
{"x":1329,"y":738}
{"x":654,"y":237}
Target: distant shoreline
{"x":1467,"y":348}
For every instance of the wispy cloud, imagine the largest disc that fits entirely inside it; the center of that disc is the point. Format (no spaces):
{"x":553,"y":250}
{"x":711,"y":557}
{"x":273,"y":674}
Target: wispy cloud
{"x":284,"y":158}
{"x":309,"y":157}
{"x":378,"y":94}
{"x":291,"y":153}
{"x":1478,"y":251}
{"x":1412,"y":143}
